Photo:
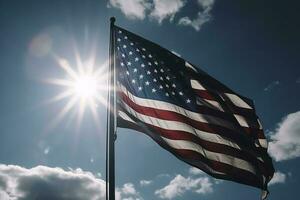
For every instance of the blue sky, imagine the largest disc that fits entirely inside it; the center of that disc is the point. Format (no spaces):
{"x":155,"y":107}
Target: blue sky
{"x":251,"y":46}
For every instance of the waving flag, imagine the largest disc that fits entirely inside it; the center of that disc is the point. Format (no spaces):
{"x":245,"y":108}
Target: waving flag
{"x":189,"y":113}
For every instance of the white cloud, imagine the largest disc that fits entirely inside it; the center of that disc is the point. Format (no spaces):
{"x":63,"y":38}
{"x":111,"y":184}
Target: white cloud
{"x":195,"y":171}
{"x":133,"y":9}
{"x":128,"y":192}
{"x":285,"y":142}
{"x":278,"y":177}
{"x":164,"y":9}
{"x":128,"y":188}
{"x":202,"y":16}
{"x":271,"y":86}
{"x":179,"y":185}
{"x":42,"y":182}
{"x":145,"y":182}
{"x":205,"y":185}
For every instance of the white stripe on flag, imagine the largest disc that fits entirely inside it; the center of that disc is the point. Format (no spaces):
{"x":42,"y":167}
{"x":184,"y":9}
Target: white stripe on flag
{"x":259,"y":123}
{"x":202,"y":101}
{"x":187,"y":64}
{"x":241,"y":120}
{"x":125,"y":116}
{"x":196,"y":85}
{"x":263,"y":143}
{"x":223,"y":158}
{"x":209,"y":103}
{"x":237,"y":101}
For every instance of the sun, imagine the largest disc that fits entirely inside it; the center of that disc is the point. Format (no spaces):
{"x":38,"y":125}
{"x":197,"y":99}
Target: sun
{"x":84,"y":86}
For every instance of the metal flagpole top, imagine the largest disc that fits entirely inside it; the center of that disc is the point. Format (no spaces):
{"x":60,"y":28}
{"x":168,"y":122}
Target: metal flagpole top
{"x":112,"y":20}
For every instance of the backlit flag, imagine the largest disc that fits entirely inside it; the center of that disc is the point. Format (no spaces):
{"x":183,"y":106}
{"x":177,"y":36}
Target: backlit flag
{"x":187,"y":112}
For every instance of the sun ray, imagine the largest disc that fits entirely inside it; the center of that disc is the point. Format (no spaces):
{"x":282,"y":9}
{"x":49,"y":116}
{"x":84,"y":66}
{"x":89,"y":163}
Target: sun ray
{"x":102,"y":69}
{"x":65,"y":65}
{"x":60,"y":82}
{"x":62,"y":113}
{"x":60,"y":96}
{"x":93,"y":106}
{"x":102,"y":100}
{"x":78,"y":59}
{"x":66,"y":108}
{"x":92,"y":58}
{"x":81,"y":110}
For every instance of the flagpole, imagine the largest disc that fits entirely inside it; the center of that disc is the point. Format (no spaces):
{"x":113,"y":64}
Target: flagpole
{"x":111,"y":119}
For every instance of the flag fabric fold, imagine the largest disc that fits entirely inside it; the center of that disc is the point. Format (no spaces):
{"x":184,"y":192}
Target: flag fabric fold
{"x":189,"y":113}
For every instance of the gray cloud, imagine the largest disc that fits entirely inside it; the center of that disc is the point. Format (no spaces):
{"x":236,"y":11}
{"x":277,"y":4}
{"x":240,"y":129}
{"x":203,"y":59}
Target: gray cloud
{"x":133,"y":9}
{"x":42,"y":182}
{"x":161,"y":10}
{"x":157,"y":9}
{"x":164,"y":9}
{"x":203,"y":16}
{"x":285,"y":142}
{"x":278,"y":177}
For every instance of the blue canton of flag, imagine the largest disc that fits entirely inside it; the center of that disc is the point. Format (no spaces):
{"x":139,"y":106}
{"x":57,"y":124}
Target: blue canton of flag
{"x":146,"y":74}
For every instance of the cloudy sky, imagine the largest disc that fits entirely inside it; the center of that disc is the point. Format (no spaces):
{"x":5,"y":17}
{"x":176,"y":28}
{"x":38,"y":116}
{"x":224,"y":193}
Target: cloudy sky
{"x":54,"y":148}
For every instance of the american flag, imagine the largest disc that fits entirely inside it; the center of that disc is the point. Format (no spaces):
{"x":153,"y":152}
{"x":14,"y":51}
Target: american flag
{"x":189,"y":113}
